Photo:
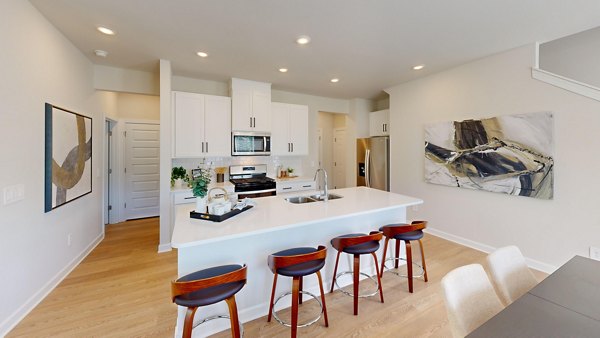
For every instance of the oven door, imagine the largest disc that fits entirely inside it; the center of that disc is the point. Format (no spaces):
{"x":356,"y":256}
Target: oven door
{"x":255,"y":194}
{"x":252,"y":144}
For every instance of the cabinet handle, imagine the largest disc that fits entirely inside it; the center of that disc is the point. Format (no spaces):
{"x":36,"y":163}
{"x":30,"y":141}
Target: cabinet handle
{"x":288,"y":147}
{"x":254,"y":122}
{"x":189,"y":198}
{"x":292,"y":147}
{"x":250,"y":122}
{"x":202,"y":146}
{"x":287,"y":188}
{"x":307,"y":186}
{"x":207,"y":147}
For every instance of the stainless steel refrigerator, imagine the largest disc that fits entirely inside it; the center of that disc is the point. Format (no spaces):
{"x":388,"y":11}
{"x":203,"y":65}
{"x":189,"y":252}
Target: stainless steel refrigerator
{"x":373,"y":157}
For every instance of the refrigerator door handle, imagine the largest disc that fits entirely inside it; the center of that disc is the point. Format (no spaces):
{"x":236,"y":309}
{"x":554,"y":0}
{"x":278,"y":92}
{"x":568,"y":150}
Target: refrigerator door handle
{"x":367,"y":168}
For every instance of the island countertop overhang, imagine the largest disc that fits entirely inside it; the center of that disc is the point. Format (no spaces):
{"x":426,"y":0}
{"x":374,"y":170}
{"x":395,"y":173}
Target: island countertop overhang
{"x":276,"y":214}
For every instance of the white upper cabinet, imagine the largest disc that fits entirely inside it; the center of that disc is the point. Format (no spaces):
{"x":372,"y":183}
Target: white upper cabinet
{"x":379,"y":123}
{"x":201,"y":125}
{"x":290,"y":129}
{"x":251,"y":106}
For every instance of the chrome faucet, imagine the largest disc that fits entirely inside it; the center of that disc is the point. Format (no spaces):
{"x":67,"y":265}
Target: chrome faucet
{"x":325,"y":192}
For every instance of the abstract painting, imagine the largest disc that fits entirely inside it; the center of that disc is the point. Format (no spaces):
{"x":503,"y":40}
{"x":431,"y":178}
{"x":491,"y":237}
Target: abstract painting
{"x":68,"y":157}
{"x":511,"y":154}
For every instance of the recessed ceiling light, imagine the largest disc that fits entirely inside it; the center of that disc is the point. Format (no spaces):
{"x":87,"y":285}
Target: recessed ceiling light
{"x":419,"y":67}
{"x":334,"y":80}
{"x":303,"y":39}
{"x":283,"y":70}
{"x":101,"y":53}
{"x":202,"y":54}
{"x":106,"y":31}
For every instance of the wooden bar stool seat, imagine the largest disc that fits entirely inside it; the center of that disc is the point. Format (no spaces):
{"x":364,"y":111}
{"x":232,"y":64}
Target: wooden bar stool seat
{"x":206,"y":287}
{"x":407,"y":233}
{"x":356,"y":245}
{"x":297,"y":263}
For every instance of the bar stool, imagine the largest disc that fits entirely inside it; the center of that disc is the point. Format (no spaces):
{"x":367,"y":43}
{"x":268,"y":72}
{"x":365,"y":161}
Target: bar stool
{"x":357,"y":244}
{"x":406,"y":233}
{"x":297,"y":263}
{"x":206,"y":287}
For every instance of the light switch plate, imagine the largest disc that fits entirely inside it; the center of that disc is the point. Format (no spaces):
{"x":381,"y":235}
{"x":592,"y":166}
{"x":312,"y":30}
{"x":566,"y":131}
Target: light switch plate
{"x":13,"y":193}
{"x":595,"y":253}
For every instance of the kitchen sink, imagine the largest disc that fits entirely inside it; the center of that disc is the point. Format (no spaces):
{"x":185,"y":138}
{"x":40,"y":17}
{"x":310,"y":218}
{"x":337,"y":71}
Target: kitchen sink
{"x":311,"y":198}
{"x":300,"y":199}
{"x":320,"y":197}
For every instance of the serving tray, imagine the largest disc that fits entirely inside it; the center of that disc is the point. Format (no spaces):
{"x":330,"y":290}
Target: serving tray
{"x":218,"y":218}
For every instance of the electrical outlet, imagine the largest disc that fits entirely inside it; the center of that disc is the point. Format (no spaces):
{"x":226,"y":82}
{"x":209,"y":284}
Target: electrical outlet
{"x":69,"y":240}
{"x":13,"y":193}
{"x":595,"y":253}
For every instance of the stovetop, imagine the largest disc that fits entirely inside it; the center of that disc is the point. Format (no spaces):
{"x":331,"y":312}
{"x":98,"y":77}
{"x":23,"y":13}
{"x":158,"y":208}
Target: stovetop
{"x":251,"y":180}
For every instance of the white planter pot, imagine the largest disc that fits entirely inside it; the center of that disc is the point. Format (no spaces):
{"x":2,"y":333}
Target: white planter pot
{"x":178,"y":183}
{"x":201,"y":204}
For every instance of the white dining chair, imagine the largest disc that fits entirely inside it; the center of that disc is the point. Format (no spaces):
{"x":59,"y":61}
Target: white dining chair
{"x":470,"y":298}
{"x":510,"y":275}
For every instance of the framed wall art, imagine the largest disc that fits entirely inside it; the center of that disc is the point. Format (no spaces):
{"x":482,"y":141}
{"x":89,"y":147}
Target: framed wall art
{"x":511,"y":154}
{"x":68,"y":157}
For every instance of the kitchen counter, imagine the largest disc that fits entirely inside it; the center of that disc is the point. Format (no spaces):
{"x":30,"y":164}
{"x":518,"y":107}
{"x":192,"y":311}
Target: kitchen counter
{"x":276,"y":214}
{"x":226,"y":185}
{"x":273,"y":225}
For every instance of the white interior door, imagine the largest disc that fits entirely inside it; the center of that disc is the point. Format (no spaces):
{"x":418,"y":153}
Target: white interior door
{"x":142,"y":148}
{"x":339,"y":158}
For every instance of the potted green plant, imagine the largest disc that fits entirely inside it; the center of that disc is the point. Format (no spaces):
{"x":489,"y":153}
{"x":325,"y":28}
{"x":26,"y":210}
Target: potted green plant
{"x":290,"y":171}
{"x":200,"y":189}
{"x":178,"y":176}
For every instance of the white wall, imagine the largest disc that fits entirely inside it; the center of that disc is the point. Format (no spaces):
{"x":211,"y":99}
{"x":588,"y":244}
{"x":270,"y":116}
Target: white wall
{"x":40,"y":65}
{"x":125,"y":80}
{"x":574,"y":56}
{"x":548,"y":232}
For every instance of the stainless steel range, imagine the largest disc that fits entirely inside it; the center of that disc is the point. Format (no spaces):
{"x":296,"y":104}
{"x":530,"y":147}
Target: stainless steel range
{"x":251,"y":181}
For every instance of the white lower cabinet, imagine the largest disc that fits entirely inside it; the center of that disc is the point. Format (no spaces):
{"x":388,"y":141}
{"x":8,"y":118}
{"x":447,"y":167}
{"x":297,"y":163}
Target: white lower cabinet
{"x":291,"y":186}
{"x":290,"y":129}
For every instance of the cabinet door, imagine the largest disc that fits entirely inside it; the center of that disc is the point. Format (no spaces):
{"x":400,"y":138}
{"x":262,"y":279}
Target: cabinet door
{"x":379,"y":123}
{"x":298,"y":125}
{"x":241,"y":108}
{"x":217,"y":125}
{"x":261,"y":109}
{"x":188,"y":122}
{"x":280,"y":139}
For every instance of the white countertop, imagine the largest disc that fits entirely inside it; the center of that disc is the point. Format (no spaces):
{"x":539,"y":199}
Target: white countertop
{"x":294,"y":179}
{"x":275,"y":213}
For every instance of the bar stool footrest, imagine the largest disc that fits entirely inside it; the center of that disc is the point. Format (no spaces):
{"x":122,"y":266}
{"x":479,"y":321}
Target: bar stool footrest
{"x":352,"y":295}
{"x":310,"y":322}
{"x":420,"y":274}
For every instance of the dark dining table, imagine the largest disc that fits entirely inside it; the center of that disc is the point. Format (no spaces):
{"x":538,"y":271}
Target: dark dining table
{"x":565,"y":304}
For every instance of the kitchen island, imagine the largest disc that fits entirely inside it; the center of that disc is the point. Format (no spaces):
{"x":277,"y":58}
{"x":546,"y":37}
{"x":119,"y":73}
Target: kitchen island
{"x":275,"y":224}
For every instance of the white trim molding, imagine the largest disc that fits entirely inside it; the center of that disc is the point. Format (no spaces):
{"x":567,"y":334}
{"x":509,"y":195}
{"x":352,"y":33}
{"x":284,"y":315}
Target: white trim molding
{"x":164,"y":248}
{"x":532,"y":263}
{"x":9,"y":323}
{"x":566,"y":83}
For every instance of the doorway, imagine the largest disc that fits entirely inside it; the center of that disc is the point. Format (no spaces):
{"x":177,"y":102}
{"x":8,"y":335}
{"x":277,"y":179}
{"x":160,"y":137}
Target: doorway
{"x":332,"y":147}
{"x":141,"y":170}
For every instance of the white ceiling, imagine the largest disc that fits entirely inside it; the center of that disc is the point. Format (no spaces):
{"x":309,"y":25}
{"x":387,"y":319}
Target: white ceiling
{"x":369,"y":45}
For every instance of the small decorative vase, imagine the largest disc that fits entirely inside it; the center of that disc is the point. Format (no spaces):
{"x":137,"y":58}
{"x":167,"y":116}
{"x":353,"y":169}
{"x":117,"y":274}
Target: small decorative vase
{"x":201,"y":204}
{"x":178,"y":183}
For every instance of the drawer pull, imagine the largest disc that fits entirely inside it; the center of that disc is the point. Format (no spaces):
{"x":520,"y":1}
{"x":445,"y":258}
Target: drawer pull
{"x":189,"y":198}
{"x":287,"y":188}
{"x":307,"y":186}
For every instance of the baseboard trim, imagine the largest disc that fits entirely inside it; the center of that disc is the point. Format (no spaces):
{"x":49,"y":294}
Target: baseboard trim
{"x":532,"y":263}
{"x":164,"y":248}
{"x":15,"y":318}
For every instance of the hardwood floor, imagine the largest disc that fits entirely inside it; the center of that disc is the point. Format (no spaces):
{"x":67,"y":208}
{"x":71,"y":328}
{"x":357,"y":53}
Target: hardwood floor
{"x":122,"y":289}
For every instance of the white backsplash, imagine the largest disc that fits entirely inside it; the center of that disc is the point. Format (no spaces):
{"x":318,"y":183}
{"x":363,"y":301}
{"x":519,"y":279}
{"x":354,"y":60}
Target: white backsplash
{"x":271,"y":162}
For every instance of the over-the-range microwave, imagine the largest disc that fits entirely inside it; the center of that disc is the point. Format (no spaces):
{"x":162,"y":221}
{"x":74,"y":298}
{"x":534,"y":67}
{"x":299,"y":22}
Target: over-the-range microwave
{"x":245,"y":143}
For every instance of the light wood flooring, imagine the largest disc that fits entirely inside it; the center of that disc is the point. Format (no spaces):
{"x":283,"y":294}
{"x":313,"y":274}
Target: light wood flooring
{"x":122,"y":289}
